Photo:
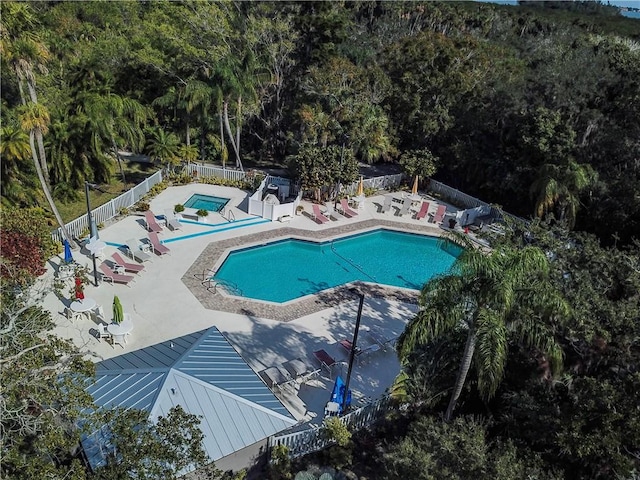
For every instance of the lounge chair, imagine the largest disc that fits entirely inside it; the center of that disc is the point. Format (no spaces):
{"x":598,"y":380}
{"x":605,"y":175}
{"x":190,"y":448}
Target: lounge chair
{"x":437,"y":218}
{"x":423,"y":211}
{"x":299,"y":370}
{"x":386,"y":206}
{"x":347,"y":345}
{"x":325,"y":359}
{"x":158,"y":248}
{"x":406,"y":205}
{"x":113,"y":277}
{"x":346,"y":210}
{"x":381,"y":337}
{"x":329,"y":211}
{"x":129,"y":267}
{"x":136,"y":252}
{"x":275,"y":377}
{"x":317,"y":214}
{"x":171,"y":220}
{"x":152,"y":224}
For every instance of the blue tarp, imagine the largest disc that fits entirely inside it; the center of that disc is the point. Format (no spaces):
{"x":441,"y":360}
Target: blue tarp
{"x":337,"y":395}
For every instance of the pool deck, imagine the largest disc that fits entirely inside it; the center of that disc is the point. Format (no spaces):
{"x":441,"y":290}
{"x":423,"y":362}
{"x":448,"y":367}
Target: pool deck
{"x":168,"y":299}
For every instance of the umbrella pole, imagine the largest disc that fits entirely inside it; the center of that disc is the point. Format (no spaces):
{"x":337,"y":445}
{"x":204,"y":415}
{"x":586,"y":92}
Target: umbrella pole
{"x":352,"y":354}
{"x":91,"y":230}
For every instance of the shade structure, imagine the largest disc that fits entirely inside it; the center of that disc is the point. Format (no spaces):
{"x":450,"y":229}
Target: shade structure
{"x":360,"y":187}
{"x":414,"y":189}
{"x":68,"y":258}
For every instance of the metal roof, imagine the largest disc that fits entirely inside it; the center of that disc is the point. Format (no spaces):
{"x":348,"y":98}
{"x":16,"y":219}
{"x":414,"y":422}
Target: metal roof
{"x":205,"y":375}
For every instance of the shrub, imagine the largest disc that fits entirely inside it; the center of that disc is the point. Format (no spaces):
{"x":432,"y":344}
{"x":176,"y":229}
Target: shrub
{"x":202,"y":212}
{"x":142,"y":206}
{"x":157,"y":188}
{"x":123,"y":211}
{"x":178,"y":208}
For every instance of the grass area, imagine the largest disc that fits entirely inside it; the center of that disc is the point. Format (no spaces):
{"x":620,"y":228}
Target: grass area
{"x":134,"y":172}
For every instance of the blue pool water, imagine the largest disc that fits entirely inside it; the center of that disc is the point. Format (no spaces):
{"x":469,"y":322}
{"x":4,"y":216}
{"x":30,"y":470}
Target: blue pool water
{"x":288,"y":269}
{"x":206,"y":202}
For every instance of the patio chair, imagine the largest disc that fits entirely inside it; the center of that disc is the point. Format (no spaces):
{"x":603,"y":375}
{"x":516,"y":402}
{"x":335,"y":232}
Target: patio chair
{"x":346,"y":210}
{"x":128,"y":267}
{"x":386,"y":206}
{"x":98,"y":315}
{"x":171,"y":220}
{"x":136,"y":252}
{"x":326,"y":360}
{"x":152,"y":224}
{"x":437,"y":218}
{"x":158,"y":248}
{"x":406,"y":206}
{"x":103,"y":333}
{"x":317,"y":214}
{"x":423,"y":211}
{"x":113,"y":277}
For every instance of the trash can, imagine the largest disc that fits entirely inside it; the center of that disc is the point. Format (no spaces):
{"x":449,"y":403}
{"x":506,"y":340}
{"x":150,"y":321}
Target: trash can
{"x":452,"y":223}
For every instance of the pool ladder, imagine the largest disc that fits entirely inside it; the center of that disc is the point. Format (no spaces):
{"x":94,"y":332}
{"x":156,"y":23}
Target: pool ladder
{"x":230,"y":216}
{"x":212,"y":284}
{"x":352,"y":263}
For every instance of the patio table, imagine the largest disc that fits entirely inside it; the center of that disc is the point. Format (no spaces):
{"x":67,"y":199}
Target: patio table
{"x":83,"y":306}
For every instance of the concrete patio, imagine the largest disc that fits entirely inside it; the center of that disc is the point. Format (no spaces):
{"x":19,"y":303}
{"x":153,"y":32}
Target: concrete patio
{"x":168,"y":300}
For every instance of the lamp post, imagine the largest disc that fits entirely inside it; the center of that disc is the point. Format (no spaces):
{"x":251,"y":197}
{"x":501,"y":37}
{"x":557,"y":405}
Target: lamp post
{"x":352,"y":353}
{"x":93,"y":231}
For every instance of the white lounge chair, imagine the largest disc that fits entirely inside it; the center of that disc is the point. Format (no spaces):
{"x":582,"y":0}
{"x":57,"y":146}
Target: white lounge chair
{"x":171,"y":220}
{"x":386,"y":206}
{"x":136,"y":252}
{"x":406,"y":205}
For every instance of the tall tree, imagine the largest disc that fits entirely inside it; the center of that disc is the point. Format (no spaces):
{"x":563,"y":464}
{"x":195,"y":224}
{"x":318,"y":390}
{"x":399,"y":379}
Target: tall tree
{"x":489,"y":295}
{"x":24,"y":52}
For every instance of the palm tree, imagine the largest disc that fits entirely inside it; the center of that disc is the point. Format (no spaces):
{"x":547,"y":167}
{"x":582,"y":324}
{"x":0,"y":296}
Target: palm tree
{"x":487,"y":295}
{"x":15,"y":151}
{"x":558,"y":188}
{"x":164,"y":147}
{"x":114,"y":120}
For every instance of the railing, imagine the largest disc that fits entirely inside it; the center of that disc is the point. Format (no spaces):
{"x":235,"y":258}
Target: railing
{"x":78,"y":227}
{"x":312,"y":439}
{"x":461,"y":199}
{"x":211,"y":171}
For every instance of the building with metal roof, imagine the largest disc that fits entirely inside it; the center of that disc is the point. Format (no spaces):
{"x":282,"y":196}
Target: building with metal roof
{"x":203,"y":374}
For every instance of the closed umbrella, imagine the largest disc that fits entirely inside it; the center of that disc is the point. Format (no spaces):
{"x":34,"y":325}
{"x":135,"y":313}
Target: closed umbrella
{"x":68,"y":258}
{"x":414,"y":190}
{"x":118,"y":314}
{"x":360,"y":188}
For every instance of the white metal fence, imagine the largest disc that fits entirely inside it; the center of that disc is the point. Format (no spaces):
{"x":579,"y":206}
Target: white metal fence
{"x":312,"y":439}
{"x":80,"y":226}
{"x":385,"y":182}
{"x":197,"y":169}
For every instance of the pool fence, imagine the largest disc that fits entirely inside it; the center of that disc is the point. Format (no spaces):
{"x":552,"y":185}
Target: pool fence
{"x":312,"y":438}
{"x":80,"y":226}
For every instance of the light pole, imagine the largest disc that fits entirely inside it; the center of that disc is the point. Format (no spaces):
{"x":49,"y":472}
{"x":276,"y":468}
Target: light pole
{"x":352,"y":353}
{"x":93,"y":232}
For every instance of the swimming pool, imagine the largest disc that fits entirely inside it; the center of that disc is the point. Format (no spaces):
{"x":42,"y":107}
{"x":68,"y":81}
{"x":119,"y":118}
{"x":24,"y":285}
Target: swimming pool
{"x":206,"y":202}
{"x":287,"y":269}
